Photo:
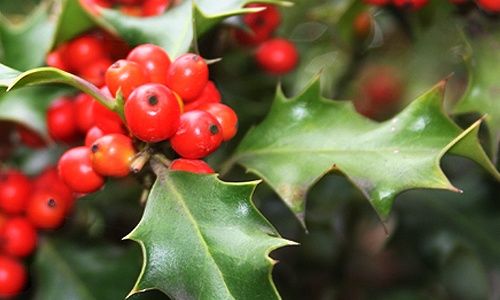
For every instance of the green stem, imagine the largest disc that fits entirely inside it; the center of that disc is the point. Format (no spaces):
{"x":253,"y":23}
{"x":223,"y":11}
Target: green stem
{"x":162,"y":159}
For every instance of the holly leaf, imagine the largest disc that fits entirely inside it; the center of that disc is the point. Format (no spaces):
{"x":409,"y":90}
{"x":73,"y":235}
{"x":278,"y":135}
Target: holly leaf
{"x":305,"y":137}
{"x":175,"y":29}
{"x":483,"y":91}
{"x":69,"y":270}
{"x":25,"y":45}
{"x":208,"y":242}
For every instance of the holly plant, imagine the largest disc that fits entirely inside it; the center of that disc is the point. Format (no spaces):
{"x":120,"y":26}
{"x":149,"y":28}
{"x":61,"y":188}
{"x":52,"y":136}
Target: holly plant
{"x":180,"y":149}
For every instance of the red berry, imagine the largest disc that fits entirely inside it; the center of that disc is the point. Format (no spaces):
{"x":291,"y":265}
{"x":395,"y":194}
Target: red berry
{"x":3,"y":219}
{"x":377,"y":2}
{"x":46,"y":210}
{"x":126,"y":75}
{"x":101,"y":3}
{"x":112,"y":154}
{"x":261,"y":24}
{"x":49,"y":180}
{"x":492,"y":6}
{"x":129,"y":2}
{"x":12,"y":276}
{"x":15,"y":188}
{"x":383,"y":87}
{"x":152,"y":8}
{"x":210,"y":94}
{"x":84,"y":113}
{"x":153,"y":59}
{"x":61,"y":120}
{"x":18,"y":237}
{"x":115,"y":47}
{"x":75,"y":169}
{"x":107,"y":120}
{"x":131,"y":10}
{"x":92,"y":135}
{"x":226,"y":117}
{"x":152,"y":112}
{"x":410,"y":4}
{"x":29,"y":137}
{"x":94,"y":73}
{"x":82,"y":52}
{"x":187,"y":76}
{"x":380,"y":90}
{"x":277,"y":56}
{"x":56,"y":58}
{"x":199,"y":134}
{"x":191,"y":165}
{"x":362,"y":25}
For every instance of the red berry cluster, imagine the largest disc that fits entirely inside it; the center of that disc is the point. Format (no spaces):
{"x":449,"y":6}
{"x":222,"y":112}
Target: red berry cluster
{"x":136,"y":8}
{"x":274,"y":55}
{"x":172,"y":101}
{"x":27,"y":204}
{"x":163,"y":101}
{"x":88,"y":55}
{"x":492,"y":6}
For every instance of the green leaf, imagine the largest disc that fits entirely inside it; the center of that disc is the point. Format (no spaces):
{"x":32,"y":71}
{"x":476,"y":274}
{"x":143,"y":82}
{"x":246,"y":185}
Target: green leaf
{"x":25,"y":45}
{"x":72,"y":21}
{"x":49,"y":75}
{"x":28,"y":105}
{"x":207,"y":242}
{"x":67,"y":270}
{"x":175,"y":29}
{"x":305,"y":137}
{"x":483,"y":91}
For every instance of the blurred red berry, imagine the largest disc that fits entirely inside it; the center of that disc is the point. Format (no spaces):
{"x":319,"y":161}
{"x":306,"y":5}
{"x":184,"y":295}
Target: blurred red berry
{"x":191,"y":165}
{"x":277,"y":56}
{"x":12,"y":276}
{"x":15,"y":188}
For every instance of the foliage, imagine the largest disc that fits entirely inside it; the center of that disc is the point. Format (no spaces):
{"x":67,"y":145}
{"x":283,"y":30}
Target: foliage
{"x":202,"y":237}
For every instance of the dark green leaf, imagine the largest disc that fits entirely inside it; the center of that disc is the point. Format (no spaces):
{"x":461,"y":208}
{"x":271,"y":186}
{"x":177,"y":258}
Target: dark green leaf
{"x":175,"y":29}
{"x":204,"y":239}
{"x":305,"y":137}
{"x":67,"y":270}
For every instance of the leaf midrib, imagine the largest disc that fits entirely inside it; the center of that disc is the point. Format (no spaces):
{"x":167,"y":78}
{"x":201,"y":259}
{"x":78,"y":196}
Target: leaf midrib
{"x":180,"y":199}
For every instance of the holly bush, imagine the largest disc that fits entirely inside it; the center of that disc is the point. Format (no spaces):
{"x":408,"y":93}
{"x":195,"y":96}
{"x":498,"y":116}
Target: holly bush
{"x":400,"y":170}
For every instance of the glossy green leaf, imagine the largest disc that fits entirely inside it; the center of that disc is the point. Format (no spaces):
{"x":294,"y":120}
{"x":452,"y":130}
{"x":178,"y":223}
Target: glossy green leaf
{"x":49,"y":75}
{"x":69,"y":270}
{"x":25,"y":45}
{"x":175,"y":29}
{"x":307,"y":136}
{"x":204,"y":239}
{"x":483,"y":91}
